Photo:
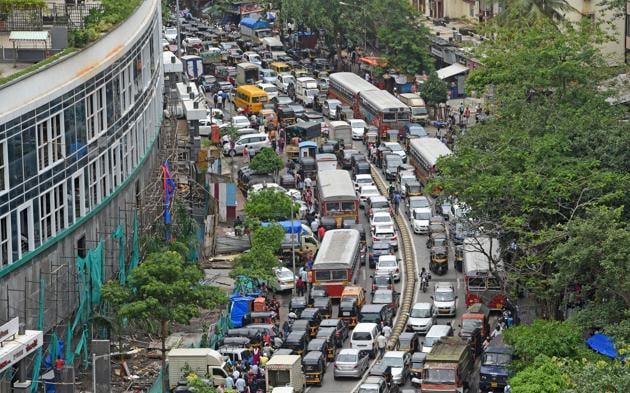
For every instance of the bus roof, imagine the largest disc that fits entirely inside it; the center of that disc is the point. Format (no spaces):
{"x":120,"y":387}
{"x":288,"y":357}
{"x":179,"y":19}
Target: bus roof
{"x":247,"y":65}
{"x":335,"y":183}
{"x":335,"y":248}
{"x":477,"y":262}
{"x":430,"y":148}
{"x":352,"y":82}
{"x":251,"y":90}
{"x":383,"y":101}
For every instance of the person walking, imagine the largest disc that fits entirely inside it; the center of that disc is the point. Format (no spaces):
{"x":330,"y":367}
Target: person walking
{"x":220,"y":100}
{"x":281,"y":144}
{"x":240,"y":385}
{"x":321,"y":232}
{"x":396,"y":202}
{"x":381,"y":341}
{"x":387,"y":331}
{"x":246,"y":153}
{"x":300,"y":286}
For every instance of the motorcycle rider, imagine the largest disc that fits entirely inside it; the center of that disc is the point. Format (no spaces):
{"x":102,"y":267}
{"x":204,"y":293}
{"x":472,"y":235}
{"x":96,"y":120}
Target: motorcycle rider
{"x":424,"y":275}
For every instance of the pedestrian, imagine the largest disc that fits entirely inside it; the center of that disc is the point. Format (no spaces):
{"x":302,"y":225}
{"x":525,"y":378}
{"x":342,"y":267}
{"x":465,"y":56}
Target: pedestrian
{"x":286,"y":328}
{"x":381,"y":341}
{"x":309,"y":261}
{"x":272,"y":135}
{"x":396,"y":201}
{"x":321,"y":232}
{"x":300,"y":286}
{"x":221,"y":389}
{"x":461,"y":109}
{"x":496,"y":332}
{"x":220,"y":100}
{"x":467,"y":113}
{"x":390,"y":191}
{"x":277,"y":342}
{"x":215,"y":98}
{"x":387,"y":331}
{"x":240,"y":385}
{"x":308,"y":183}
{"x":303,"y":274}
{"x":274,"y":145}
{"x":246,"y":153}
{"x":236,"y":373}
{"x":267,"y":338}
{"x":281,"y":144}
{"x":256,"y":356}
{"x":315,"y":223}
{"x":229,"y":382}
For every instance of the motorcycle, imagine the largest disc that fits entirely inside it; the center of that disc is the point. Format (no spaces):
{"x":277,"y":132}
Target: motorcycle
{"x":424,"y":282}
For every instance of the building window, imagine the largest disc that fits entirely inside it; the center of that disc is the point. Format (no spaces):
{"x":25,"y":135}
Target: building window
{"x":4,"y":167}
{"x":26,"y":229}
{"x":50,"y":142}
{"x":126,"y":88}
{"x":79,"y":200}
{"x":128,"y":148}
{"x":81,"y":247}
{"x":52,"y":211}
{"x":95,"y":114}
{"x":93,"y":183}
{"x":103,"y":178}
{"x":117,"y":171}
{"x":5,"y":240}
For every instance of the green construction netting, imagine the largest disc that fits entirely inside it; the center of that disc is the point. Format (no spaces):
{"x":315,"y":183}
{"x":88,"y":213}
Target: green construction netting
{"x":119,"y":234}
{"x":135,"y":250}
{"x":245,"y":285}
{"x":220,"y":329}
{"x":37,"y":365}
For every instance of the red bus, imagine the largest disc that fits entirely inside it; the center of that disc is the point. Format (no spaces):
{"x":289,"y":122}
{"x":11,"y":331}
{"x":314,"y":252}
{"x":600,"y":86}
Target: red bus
{"x":483,"y":278}
{"x":346,"y":86}
{"x":337,"y":197}
{"x":337,"y":262}
{"x":423,"y":154}
{"x":383,"y":110}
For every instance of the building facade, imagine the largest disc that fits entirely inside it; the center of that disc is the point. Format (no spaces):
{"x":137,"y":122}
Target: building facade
{"x":77,"y":144}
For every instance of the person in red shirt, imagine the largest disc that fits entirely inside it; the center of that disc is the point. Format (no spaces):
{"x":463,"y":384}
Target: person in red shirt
{"x":321,"y":231}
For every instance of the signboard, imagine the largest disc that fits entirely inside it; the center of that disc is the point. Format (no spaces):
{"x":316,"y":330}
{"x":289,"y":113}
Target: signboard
{"x":15,"y":350}
{"x":9,"y":329}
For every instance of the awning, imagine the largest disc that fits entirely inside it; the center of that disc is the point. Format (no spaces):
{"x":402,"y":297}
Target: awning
{"x":28,"y":36}
{"x":452,"y":70}
{"x":374,"y":61}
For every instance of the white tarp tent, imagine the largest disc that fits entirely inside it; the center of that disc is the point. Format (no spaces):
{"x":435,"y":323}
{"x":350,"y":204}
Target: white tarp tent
{"x":452,"y":70}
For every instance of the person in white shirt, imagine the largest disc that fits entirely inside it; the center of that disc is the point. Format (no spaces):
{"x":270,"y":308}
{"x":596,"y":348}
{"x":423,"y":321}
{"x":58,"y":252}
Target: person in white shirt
{"x":387,"y":331}
{"x":381,"y":341}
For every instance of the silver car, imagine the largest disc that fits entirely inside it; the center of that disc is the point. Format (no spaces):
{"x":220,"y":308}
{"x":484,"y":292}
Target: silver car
{"x":350,"y":363}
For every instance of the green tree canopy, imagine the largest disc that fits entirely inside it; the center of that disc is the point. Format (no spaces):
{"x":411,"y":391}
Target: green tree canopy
{"x":266,"y":161}
{"x":269,"y":205}
{"x":543,"y":375}
{"x":261,"y":259}
{"x":434,"y":90}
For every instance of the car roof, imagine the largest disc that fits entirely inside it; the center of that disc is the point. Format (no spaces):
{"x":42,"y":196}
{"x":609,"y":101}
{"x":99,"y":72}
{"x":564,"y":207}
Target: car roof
{"x":364,"y":327}
{"x":394,"y":354}
{"x":444,"y":286}
{"x":386,"y":257}
{"x":349,"y":350}
{"x":421,"y":306}
{"x":387,"y":291}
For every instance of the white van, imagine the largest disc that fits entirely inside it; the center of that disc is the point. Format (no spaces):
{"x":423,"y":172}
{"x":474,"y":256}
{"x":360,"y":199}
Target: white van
{"x":419,"y":113}
{"x":435,"y":333}
{"x":364,"y":338}
{"x":254,"y":143}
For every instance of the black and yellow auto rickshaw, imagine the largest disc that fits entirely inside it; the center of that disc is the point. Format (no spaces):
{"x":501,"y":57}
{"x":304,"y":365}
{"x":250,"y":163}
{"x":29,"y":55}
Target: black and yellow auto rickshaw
{"x":349,"y":311}
{"x":413,"y":188}
{"x":324,"y":305}
{"x":370,"y":136}
{"x":415,"y":369}
{"x":439,"y":260}
{"x":297,"y":304}
{"x":313,"y":315}
{"x":263,"y":317}
{"x":408,"y":342}
{"x":328,"y":334}
{"x":297,"y":341}
{"x":317,"y":291}
{"x":459,"y":257}
{"x":285,"y":115}
{"x":313,"y":366}
{"x":321,"y":345}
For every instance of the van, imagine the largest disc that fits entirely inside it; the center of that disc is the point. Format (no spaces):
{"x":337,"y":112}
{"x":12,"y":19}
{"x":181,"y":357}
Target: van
{"x":364,"y":338}
{"x":376,"y":313}
{"x":250,"y":98}
{"x":434,"y":334}
{"x":356,"y":293}
{"x":236,"y":354}
{"x":419,"y":113}
{"x":280,"y":67}
{"x":329,"y":109}
{"x":254,"y":143}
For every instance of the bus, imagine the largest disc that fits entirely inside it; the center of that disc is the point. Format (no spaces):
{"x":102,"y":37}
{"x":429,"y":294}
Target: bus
{"x":383,"y":110}
{"x":483,"y":281}
{"x":337,"y":197}
{"x":346,"y":86}
{"x":337,"y":262}
{"x":423,"y":154}
{"x":250,"y":98}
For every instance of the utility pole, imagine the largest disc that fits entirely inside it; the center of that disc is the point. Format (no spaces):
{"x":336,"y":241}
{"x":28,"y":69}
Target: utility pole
{"x":179,"y":28}
{"x":293,"y":240}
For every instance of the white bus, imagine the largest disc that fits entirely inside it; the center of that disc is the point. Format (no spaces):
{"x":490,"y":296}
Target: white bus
{"x":424,"y":153}
{"x":337,"y":263}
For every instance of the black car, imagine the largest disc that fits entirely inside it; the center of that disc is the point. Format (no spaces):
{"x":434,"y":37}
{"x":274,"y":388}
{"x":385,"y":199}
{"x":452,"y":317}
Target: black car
{"x":341,"y":329}
{"x":376,"y":250}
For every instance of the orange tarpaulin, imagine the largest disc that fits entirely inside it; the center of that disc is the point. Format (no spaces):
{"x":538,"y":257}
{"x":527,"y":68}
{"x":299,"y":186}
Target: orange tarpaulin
{"x":374,"y":61}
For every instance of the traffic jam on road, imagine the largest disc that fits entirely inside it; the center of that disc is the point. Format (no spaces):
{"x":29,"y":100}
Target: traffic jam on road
{"x":393,"y":293}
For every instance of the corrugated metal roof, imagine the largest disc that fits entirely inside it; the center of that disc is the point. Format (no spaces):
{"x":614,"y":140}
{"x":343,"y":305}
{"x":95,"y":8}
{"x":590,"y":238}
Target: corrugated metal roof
{"x":336,"y":183}
{"x":429,"y":148}
{"x":383,"y":100}
{"x":28,"y":36}
{"x":337,"y":249}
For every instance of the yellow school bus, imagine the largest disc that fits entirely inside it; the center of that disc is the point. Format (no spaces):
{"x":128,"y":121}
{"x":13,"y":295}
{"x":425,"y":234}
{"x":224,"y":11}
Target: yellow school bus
{"x":280,"y":67}
{"x":250,"y":98}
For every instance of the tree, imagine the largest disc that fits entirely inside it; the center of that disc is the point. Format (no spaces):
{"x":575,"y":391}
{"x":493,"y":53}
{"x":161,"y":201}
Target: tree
{"x":261,"y":259}
{"x":266,"y":161}
{"x":553,"y":10}
{"x":434,"y":90}
{"x":599,"y":376}
{"x":164,"y":289}
{"x":269,"y":205}
{"x":543,"y":375}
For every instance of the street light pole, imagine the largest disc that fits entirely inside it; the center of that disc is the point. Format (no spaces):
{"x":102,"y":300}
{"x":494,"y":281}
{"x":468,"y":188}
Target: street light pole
{"x":179,"y":33}
{"x":293,"y":239}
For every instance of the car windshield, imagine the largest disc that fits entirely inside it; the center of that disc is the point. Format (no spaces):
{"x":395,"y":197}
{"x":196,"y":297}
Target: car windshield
{"x":420,"y":313}
{"x":382,"y":298}
{"x":379,"y":205}
{"x":417,"y":215}
{"x":368,"y":390}
{"x":361,"y":336}
{"x":496,"y":359}
{"x":370,"y":317}
{"x":285,"y":274}
{"x":381,"y":219}
{"x":419,"y":111}
{"x":444,"y":296}
{"x":387,"y":263}
{"x":271,"y":89}
{"x":420,"y":202}
{"x":395,"y":147}
{"x":469,"y":325}
{"x":394,"y":362}
{"x":382,"y":280}
{"x":347,"y":357}
{"x":369,"y":191}
{"x":364,"y":181}
{"x":439,"y":376}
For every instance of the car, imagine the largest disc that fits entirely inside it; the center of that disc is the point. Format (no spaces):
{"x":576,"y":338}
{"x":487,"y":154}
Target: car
{"x":267,"y":186}
{"x":341,"y":329}
{"x":395,"y":148}
{"x":386,"y":233}
{"x":363,"y":180}
{"x":414,"y":130}
{"x":330,"y":108}
{"x":350,"y":363}
{"x":223,"y":86}
{"x":399,"y":362}
{"x":365,"y":192}
{"x":444,"y":299}
{"x":254,"y":142}
{"x":280,"y":100}
{"x":170,"y":33}
{"x":375,"y":384}
{"x":377,"y":204}
{"x":358,"y":128}
{"x":205,"y":126}
{"x":268,"y":76}
{"x":206,"y":82}
{"x":415,"y":202}
{"x":420,"y":220}
{"x":311,"y":115}
{"x":285,"y":279}
{"x":227,"y":138}
{"x":381,"y":280}
{"x":377,"y":249}
{"x":270,"y":89}
{"x":388,"y":264}
{"x":386,"y":296}
{"x":421,"y":318}
{"x":283,"y":82}
{"x":381,"y":218}
{"x":239,"y":122}
{"x":297,"y":109}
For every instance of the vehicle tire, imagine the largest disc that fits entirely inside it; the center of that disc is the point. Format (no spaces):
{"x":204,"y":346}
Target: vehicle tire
{"x":232,"y":153}
{"x":335,"y":377}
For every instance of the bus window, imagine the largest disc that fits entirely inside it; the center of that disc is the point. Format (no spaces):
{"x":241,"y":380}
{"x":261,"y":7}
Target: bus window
{"x":339,"y":275}
{"x":476,"y":282}
{"x":322,"y":275}
{"x":389,"y":117}
{"x":332,"y":206}
{"x":347,"y":206}
{"x":493,"y":283}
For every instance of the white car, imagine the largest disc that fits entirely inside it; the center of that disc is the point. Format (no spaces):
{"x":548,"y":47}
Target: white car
{"x":170,"y":33}
{"x":271,"y":90}
{"x":404,"y":179}
{"x":283,"y":81}
{"x":254,"y":143}
{"x":363,"y":180}
{"x":415,"y":202}
{"x":365,"y":192}
{"x":388,"y":264}
{"x":399,"y":362}
{"x":239,"y":122}
{"x":444,"y":299}
{"x":381,"y":218}
{"x":243,"y":131}
{"x":205,"y":125}
{"x":395,"y":148}
{"x":268,"y":76}
{"x":420,"y":220}
{"x":421,"y":318}
{"x":358,"y":128}
{"x":285,"y":279}
{"x":267,"y":186}
{"x":385,"y":233}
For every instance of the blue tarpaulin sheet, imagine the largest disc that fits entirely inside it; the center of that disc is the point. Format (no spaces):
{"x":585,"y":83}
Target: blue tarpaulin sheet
{"x":238,"y":309}
{"x":255,"y":24}
{"x":602,"y":344}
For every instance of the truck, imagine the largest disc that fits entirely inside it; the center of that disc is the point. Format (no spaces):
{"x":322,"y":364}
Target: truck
{"x":419,"y":113}
{"x":306,"y":90}
{"x":284,"y":370}
{"x":299,"y":236}
{"x":476,"y":317}
{"x":246,"y":74}
{"x":274,"y":45}
{"x":448,"y":367}
{"x":495,"y":363}
{"x":341,"y":131}
{"x":205,"y":362}
{"x":255,"y":29}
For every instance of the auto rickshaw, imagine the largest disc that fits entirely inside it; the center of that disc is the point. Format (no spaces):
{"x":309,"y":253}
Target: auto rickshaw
{"x":408,"y":342}
{"x":241,"y":342}
{"x":313,"y":315}
{"x":309,"y":166}
{"x":413,"y":188}
{"x":287,"y":181}
{"x":297,"y":304}
{"x":269,"y":117}
{"x":380,"y":369}
{"x":307,"y":149}
{"x":370,"y":137}
{"x":459,"y":257}
{"x":415,"y":369}
{"x":297,"y":341}
{"x":324,"y":305}
{"x":253,"y":335}
{"x":313,"y":366}
{"x":321,"y":345}
{"x":263,"y":317}
{"x":439,"y":260}
{"x":328,"y":334}
{"x":349,"y":311}
{"x":260,"y":304}
{"x":390,"y":136}
{"x":317,"y":291}
{"x":292,"y":149}
{"x":285,"y":114}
